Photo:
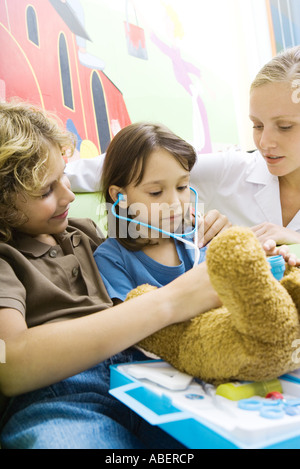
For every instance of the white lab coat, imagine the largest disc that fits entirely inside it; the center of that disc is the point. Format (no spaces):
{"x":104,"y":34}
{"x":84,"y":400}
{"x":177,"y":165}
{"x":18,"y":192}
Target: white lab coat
{"x":85,"y":174}
{"x":236,"y":183}
{"x":239,"y":185}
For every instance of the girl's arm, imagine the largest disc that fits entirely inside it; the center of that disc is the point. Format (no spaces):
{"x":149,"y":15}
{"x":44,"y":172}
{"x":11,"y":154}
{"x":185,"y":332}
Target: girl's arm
{"x":211,"y":224}
{"x":42,"y":355}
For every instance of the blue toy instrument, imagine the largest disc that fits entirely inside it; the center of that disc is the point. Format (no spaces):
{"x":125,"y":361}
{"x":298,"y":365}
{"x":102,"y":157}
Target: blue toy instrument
{"x":277,"y":264}
{"x":180,"y":237}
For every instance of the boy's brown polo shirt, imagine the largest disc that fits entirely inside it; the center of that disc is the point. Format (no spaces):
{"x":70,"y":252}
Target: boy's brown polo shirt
{"x":47,"y":283}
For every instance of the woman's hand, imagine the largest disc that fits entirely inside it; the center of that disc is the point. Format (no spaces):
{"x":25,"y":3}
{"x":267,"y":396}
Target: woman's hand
{"x":279,"y":234}
{"x":210,"y":225}
{"x":272,"y":250}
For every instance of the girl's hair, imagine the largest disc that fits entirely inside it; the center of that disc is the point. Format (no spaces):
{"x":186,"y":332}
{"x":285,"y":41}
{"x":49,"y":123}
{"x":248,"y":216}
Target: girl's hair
{"x":127,"y":155}
{"x":285,"y":67}
{"x":26,"y":136}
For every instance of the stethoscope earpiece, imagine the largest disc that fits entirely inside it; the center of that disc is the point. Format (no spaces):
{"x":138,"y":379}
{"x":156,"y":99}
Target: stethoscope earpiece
{"x":120,"y":197}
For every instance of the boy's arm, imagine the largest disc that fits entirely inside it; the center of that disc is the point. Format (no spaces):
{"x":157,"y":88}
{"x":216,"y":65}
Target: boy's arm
{"x":45,"y":354}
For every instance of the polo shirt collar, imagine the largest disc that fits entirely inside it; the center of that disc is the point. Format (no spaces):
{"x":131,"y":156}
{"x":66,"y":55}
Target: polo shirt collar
{"x":30,"y":246}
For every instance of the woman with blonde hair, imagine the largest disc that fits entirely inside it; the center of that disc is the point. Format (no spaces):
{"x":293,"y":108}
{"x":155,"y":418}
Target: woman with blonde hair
{"x":262,"y":189}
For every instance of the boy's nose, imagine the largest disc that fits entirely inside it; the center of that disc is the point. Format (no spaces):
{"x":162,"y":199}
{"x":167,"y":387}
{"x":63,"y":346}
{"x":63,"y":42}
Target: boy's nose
{"x":66,"y":195}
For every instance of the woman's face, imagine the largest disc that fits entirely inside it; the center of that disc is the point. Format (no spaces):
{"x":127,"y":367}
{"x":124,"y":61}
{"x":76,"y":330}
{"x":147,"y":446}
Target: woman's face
{"x":275,"y":113}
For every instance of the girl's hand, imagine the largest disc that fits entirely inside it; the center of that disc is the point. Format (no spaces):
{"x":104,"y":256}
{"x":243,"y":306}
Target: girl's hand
{"x":210,"y":225}
{"x":279,"y":234}
{"x":272,"y":250}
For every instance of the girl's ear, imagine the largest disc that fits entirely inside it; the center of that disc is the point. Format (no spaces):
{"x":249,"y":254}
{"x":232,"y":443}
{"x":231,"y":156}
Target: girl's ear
{"x":114,"y":192}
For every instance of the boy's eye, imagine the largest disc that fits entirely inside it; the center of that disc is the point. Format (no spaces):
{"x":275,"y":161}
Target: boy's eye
{"x":46,"y":194}
{"x":182,"y":188}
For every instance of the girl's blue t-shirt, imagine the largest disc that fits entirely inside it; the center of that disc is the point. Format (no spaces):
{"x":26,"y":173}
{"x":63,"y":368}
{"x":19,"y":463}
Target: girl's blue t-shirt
{"x":123,"y":270}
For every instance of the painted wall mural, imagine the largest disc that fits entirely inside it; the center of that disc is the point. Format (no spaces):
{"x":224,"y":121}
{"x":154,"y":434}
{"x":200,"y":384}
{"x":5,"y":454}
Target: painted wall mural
{"x":44,"y":60}
{"x":102,"y":64}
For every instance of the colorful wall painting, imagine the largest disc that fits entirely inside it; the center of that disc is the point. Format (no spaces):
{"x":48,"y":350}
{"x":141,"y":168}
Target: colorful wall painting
{"x":101,"y":64}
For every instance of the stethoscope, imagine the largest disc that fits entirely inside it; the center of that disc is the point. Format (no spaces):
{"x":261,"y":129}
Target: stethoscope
{"x":179,"y":237}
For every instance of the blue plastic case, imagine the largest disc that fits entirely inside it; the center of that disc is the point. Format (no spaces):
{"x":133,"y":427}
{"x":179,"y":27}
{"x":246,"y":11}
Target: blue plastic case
{"x":199,"y":419}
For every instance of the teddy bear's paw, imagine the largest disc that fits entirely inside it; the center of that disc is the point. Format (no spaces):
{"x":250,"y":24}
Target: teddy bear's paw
{"x":259,"y":305}
{"x":235,"y":257}
{"x":291,"y":282}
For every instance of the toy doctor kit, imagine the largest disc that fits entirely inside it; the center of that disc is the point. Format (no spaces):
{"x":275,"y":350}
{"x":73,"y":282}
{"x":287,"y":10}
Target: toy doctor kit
{"x":199,"y":416}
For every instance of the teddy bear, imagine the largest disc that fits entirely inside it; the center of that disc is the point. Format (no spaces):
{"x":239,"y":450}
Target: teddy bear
{"x":251,"y":337}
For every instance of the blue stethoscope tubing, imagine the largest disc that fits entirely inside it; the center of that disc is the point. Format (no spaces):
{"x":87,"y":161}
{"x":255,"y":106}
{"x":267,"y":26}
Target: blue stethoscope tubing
{"x":179,"y":237}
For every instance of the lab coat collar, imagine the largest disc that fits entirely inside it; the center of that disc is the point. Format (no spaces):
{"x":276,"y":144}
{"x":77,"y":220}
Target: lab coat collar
{"x":268,"y":192}
{"x":259,"y":173}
